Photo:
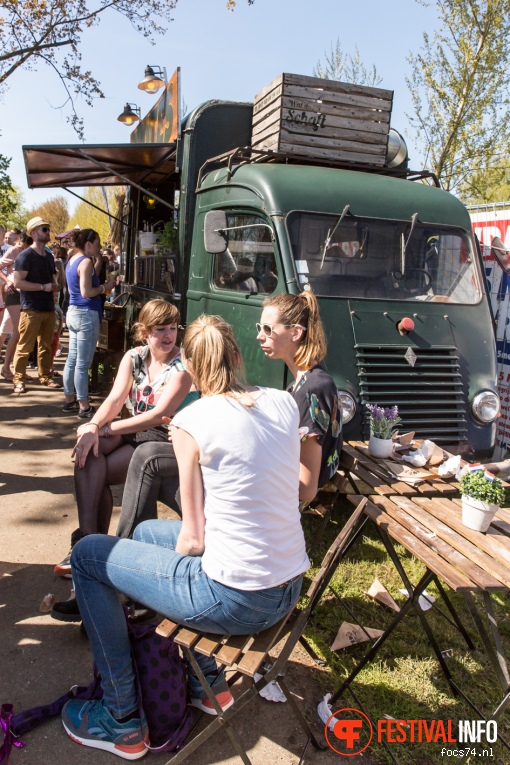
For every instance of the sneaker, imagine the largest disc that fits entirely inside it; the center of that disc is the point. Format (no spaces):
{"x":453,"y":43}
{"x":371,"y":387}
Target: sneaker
{"x":199,"y":698}
{"x":86,"y":414}
{"x":91,"y":724}
{"x":66,"y":611}
{"x":64,"y":567}
{"x":71,"y":407}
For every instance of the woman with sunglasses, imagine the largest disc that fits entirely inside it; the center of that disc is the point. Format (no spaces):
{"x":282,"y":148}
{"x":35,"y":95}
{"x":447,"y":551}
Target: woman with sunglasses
{"x":153,"y":383}
{"x":291,"y":329}
{"x":83,"y":318}
{"x":235,"y":562}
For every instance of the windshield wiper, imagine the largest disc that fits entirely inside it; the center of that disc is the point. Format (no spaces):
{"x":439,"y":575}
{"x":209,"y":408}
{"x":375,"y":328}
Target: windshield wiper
{"x":404,"y":244}
{"x":330,"y":234}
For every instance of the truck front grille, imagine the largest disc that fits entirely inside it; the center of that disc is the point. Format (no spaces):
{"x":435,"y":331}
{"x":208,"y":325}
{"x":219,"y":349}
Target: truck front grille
{"x":430,"y":396}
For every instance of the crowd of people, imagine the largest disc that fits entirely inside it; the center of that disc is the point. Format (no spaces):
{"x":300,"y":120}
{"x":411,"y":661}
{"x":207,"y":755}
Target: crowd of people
{"x":234,"y":460}
{"x":43,"y":287}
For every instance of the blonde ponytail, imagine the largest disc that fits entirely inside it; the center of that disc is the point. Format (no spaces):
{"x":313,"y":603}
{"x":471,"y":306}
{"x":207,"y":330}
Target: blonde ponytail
{"x":303,"y":309}
{"x":214,"y":358}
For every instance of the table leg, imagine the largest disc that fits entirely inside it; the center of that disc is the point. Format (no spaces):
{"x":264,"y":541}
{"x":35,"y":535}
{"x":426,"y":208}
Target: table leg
{"x":414,"y":596}
{"x":494,"y":716}
{"x":500,"y":674}
{"x":374,"y":725}
{"x":500,"y":709}
{"x":454,"y":614}
{"x":497,"y":639}
{"x":424,"y":581}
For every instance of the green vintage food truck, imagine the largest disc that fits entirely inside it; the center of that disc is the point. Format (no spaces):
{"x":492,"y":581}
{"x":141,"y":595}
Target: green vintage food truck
{"x":390,"y":256}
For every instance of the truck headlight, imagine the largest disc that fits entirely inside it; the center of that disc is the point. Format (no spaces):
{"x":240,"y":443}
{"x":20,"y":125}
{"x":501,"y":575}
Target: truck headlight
{"x":485,"y":406}
{"x":348,"y":406}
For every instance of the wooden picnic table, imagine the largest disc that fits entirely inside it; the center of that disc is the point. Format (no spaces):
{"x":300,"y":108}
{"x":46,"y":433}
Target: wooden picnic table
{"x":426,"y":520}
{"x":357,"y":463}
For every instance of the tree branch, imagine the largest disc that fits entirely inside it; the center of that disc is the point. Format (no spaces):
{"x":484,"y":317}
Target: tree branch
{"x":34,"y":49}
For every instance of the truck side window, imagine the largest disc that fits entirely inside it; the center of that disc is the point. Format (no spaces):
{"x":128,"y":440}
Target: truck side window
{"x":248,"y":264}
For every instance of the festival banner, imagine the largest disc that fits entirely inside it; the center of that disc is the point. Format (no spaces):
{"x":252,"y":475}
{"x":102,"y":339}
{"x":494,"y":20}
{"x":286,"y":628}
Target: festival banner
{"x":488,"y":222}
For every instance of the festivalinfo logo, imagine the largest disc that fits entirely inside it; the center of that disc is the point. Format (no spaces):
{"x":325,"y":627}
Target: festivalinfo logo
{"x":349,"y":732}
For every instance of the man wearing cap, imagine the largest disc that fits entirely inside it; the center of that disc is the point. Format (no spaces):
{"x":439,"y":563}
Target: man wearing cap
{"x":35,"y":277}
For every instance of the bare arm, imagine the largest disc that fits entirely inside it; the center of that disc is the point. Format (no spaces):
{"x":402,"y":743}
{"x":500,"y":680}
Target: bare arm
{"x":7,"y":261}
{"x":114,"y":402}
{"x":85,"y":272}
{"x":20,"y":282}
{"x":174,"y":393}
{"x":59,"y":276}
{"x":309,"y":468}
{"x":191,"y":537}
{"x":88,"y":434}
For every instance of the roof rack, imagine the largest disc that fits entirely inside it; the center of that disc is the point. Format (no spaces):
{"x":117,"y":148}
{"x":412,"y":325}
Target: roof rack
{"x":245,"y":155}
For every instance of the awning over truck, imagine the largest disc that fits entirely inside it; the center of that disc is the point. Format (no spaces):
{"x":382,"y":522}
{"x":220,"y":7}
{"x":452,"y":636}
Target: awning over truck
{"x":101,"y":165}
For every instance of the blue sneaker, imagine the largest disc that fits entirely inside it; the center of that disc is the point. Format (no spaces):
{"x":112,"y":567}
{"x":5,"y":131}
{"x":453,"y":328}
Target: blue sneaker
{"x":91,"y":724}
{"x":199,"y":698}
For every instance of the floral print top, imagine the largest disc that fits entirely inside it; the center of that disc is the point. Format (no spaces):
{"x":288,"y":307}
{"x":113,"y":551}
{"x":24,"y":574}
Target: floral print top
{"x":320,"y":416}
{"x":144,"y":395}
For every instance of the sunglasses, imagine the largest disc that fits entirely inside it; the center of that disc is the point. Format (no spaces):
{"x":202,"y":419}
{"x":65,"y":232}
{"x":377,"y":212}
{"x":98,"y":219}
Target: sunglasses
{"x":143,"y":405}
{"x":45,"y":229}
{"x":267,"y":329}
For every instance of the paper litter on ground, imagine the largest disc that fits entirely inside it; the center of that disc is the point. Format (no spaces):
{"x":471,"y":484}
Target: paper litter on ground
{"x":272,"y":691}
{"x":47,"y":603}
{"x":324,"y":711}
{"x":379,"y":592}
{"x":425,"y":600}
{"x":351,"y":634}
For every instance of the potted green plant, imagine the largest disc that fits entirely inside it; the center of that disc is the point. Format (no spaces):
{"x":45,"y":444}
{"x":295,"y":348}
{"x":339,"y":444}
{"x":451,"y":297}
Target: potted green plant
{"x":482,"y":496}
{"x":168,"y":238}
{"x":383,"y":421}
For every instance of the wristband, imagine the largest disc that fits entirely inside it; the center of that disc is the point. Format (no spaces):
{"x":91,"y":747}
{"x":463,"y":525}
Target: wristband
{"x":101,"y":287}
{"x":42,"y":287}
{"x":106,"y":431}
{"x":94,"y":423}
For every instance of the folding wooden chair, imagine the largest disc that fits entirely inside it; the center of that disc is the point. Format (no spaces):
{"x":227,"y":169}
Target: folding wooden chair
{"x":321,"y":508}
{"x":249,"y":654}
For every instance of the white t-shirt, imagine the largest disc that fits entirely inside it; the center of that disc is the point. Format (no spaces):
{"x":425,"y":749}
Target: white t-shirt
{"x":249,"y":457}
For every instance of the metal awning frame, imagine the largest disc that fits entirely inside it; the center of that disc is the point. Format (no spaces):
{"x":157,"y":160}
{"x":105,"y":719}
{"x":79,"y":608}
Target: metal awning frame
{"x":97,"y":167}
{"x":126,"y":180}
{"x":82,"y":199}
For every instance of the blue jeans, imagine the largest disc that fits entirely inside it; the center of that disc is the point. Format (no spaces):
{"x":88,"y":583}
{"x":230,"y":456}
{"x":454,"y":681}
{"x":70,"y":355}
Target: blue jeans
{"x":83,"y":326}
{"x":148,"y":570}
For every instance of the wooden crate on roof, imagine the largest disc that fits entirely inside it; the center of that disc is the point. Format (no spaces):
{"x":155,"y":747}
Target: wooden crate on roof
{"x":323,"y":119}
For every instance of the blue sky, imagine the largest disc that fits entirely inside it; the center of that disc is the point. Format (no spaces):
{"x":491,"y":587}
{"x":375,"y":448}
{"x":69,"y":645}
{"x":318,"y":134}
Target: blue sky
{"x":221,"y":54}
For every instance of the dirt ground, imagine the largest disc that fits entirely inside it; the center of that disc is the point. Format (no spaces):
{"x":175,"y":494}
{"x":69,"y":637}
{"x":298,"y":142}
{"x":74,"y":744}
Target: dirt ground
{"x":40,"y":658}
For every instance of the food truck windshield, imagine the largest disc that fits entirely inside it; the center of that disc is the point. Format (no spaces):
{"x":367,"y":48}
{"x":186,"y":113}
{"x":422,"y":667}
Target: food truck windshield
{"x":355,"y":257}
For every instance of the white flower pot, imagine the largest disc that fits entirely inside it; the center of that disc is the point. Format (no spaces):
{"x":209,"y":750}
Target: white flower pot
{"x":380,"y":447}
{"x":476,"y":514}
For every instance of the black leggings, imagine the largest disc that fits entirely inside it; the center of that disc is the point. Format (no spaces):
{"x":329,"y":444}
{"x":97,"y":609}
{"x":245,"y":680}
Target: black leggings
{"x":152,"y":475}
